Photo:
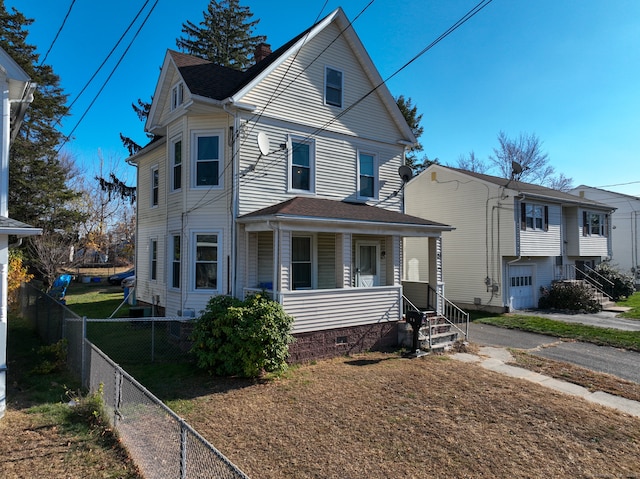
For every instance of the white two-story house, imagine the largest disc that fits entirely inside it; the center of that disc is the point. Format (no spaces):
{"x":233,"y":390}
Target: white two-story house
{"x":511,"y":238}
{"x":283,"y":178}
{"x":625,"y":227}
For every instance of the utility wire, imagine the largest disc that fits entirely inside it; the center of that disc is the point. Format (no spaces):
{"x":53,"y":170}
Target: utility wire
{"x":58,"y":32}
{"x":67,"y":137}
{"x":107,"y":57}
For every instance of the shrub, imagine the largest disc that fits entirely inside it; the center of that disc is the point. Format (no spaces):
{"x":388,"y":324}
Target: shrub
{"x":623,"y":284}
{"x":18,"y":274}
{"x":242,"y":338}
{"x":569,"y":296}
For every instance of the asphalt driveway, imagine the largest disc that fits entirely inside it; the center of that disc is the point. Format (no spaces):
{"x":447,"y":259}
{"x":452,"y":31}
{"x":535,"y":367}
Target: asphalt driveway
{"x":619,"y":362}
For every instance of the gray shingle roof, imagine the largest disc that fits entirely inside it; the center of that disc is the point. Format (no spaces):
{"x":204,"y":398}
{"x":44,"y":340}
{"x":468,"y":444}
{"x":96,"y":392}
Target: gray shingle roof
{"x":303,"y":207}
{"x":531,"y":190}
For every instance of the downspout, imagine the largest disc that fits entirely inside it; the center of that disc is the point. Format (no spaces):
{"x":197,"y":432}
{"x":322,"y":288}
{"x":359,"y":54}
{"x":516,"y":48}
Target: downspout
{"x":235,"y":198}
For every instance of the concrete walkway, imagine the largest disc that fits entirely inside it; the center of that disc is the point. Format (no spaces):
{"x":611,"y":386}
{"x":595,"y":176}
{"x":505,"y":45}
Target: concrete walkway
{"x":495,"y":359}
{"x":494,"y":354}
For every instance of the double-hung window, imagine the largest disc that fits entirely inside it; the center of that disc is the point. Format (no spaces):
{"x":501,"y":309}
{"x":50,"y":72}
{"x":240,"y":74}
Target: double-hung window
{"x":153,"y":260}
{"x":155,"y":186}
{"x":176,"y":165}
{"x":332,"y":87}
{"x":177,"y":95}
{"x":594,"y":224}
{"x":366,"y":175}
{"x":301,"y":262}
{"x":534,"y":217}
{"x":206,"y":261}
{"x":208,"y":155}
{"x":301,"y":162}
{"x":175,"y":261}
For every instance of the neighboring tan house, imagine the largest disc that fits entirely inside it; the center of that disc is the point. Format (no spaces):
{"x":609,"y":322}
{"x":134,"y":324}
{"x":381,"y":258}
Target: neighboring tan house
{"x":285,"y":178}
{"x":625,"y":233}
{"x":510,"y":239}
{"x":17,"y":93}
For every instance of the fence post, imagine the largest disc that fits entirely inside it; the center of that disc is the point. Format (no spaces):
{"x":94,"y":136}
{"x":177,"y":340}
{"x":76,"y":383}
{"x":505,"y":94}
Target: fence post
{"x":153,"y":339}
{"x":83,"y":359}
{"x":183,"y":450}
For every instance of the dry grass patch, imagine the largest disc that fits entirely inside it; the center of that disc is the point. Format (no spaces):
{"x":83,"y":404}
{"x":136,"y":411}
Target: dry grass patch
{"x":592,"y":380}
{"x":381,"y":416}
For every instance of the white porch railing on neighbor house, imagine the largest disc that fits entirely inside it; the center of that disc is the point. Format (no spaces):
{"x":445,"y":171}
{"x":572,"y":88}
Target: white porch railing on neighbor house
{"x":321,"y":309}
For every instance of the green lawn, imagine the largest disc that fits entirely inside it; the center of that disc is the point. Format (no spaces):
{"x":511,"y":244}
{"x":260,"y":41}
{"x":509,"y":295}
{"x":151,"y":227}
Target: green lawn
{"x":96,"y":300}
{"x":631,"y":302}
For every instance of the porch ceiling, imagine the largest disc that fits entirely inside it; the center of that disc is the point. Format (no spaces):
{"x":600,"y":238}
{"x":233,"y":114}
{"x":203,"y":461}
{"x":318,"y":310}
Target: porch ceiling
{"x":316,"y":214}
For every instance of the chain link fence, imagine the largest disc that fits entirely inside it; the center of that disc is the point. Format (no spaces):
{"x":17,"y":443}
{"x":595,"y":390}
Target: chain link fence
{"x":160,"y":443}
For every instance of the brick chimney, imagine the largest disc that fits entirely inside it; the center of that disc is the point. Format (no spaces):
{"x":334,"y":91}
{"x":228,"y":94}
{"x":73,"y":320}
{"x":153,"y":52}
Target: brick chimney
{"x":263,"y":50}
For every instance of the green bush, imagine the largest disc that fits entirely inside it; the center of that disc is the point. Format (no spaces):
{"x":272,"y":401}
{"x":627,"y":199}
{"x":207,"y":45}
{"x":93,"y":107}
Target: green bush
{"x":623,"y":285}
{"x":568,"y":296}
{"x":235,"y":338}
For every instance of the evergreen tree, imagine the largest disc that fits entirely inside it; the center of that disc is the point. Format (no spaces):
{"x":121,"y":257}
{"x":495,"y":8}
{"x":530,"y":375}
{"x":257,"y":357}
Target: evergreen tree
{"x":411,"y":116}
{"x":38,"y":190}
{"x":224,"y":36}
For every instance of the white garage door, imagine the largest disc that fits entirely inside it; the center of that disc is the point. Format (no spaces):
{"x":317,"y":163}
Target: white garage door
{"x":521,"y":293}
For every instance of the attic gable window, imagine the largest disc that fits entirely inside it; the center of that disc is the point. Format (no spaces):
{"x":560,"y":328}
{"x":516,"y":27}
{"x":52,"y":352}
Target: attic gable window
{"x":333,"y":87}
{"x":534,"y":217}
{"x":177,"y":95}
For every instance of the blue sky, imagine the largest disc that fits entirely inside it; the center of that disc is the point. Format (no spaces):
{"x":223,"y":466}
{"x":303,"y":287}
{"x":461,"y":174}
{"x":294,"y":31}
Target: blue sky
{"x":567,"y":71}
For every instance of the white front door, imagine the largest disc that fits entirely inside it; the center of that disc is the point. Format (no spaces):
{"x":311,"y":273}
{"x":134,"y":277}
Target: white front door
{"x":521,"y":293}
{"x":367,"y":264}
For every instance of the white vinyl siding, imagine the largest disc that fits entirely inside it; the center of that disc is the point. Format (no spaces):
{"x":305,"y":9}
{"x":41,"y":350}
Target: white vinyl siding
{"x":323,"y":309}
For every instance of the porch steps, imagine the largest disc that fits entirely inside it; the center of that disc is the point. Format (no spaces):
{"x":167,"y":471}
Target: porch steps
{"x":602,"y":299}
{"x":443,"y":335}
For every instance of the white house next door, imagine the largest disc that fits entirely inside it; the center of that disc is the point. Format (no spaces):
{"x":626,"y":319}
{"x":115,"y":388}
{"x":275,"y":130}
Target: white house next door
{"x":521,"y":293}
{"x":367,"y":264}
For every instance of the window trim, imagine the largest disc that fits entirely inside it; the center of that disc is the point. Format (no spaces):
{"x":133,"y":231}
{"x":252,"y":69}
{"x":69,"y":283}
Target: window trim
{"x":177,"y":95}
{"x":312,"y":164}
{"x":544,"y":217}
{"x":313,"y":261}
{"x":328,"y":85}
{"x":155,"y":186}
{"x":375,"y":175}
{"x":195,"y":135}
{"x":173,"y":261}
{"x":172,"y":154}
{"x":587,"y":224}
{"x":193,"y":261}
{"x":153,"y":259}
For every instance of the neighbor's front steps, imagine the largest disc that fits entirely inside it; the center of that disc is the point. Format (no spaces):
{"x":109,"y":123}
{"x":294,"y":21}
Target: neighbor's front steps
{"x":443,"y":334}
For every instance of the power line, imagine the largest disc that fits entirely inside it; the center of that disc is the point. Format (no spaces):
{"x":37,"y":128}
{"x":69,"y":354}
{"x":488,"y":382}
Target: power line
{"x":58,"y":32}
{"x":67,"y":137}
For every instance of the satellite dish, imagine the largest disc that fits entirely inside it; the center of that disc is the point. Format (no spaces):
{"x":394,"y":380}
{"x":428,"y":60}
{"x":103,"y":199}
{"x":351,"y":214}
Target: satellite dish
{"x":516,"y":167}
{"x":263,"y":143}
{"x":406,"y":173}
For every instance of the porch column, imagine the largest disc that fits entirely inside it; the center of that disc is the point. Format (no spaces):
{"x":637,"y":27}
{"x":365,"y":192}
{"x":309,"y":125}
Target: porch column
{"x":344,"y":261}
{"x":435,"y":264}
{"x":393,"y":260}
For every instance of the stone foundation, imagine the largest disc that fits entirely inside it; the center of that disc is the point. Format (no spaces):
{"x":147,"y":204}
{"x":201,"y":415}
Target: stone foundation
{"x":339,"y":342}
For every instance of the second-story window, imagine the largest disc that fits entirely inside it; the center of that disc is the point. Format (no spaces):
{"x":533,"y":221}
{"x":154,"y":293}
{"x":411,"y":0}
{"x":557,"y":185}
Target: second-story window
{"x":208,"y":155}
{"x":177,"y":95}
{"x":301,"y":158}
{"x":366,"y":175}
{"x":176,"y":165}
{"x":155,"y":186}
{"x":594,"y":224}
{"x":333,"y":87}
{"x":534,"y":217}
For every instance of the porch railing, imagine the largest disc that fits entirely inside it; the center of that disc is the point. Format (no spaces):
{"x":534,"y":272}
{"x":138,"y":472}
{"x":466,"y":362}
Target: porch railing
{"x":589,"y":275}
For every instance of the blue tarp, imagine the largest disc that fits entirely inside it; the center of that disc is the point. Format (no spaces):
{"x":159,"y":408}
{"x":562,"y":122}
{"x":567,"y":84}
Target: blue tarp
{"x":59,"y":288}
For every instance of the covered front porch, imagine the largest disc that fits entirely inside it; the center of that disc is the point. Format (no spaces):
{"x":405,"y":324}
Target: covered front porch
{"x":332,"y":265}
